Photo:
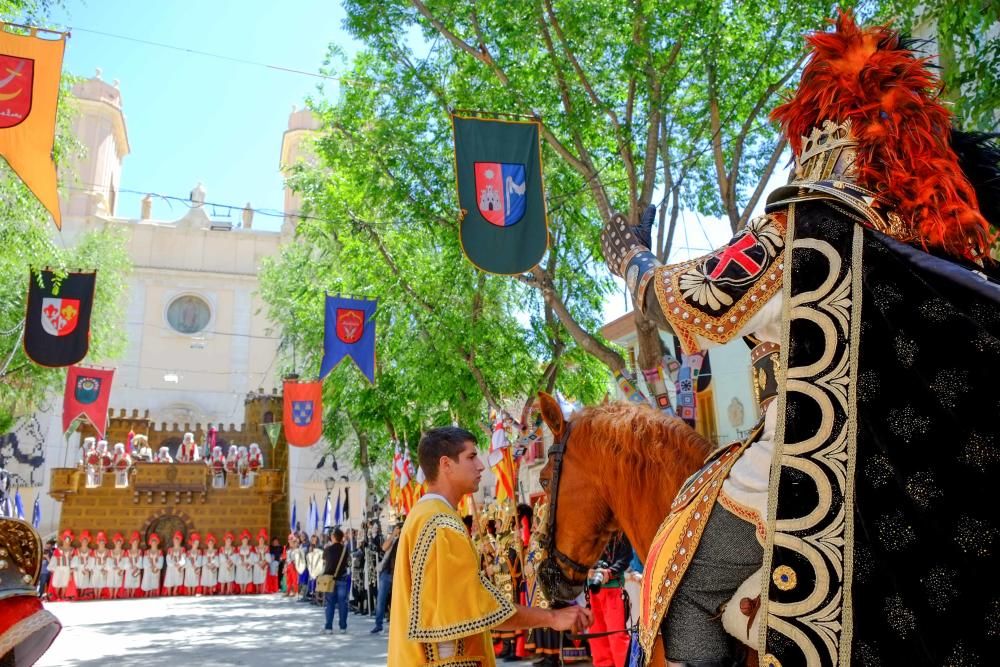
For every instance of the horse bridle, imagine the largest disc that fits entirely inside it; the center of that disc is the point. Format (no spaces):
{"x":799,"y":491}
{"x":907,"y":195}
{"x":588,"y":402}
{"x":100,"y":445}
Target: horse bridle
{"x":556,"y":453}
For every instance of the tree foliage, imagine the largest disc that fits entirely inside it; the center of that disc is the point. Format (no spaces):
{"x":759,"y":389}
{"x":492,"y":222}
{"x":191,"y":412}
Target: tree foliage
{"x":642,"y":102}
{"x":29,"y":240}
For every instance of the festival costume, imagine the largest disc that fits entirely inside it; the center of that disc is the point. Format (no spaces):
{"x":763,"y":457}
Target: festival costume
{"x":314,"y":566}
{"x":262,"y":566}
{"x":152,"y":567}
{"x":875,"y":547}
{"x":131,"y":564}
{"x":295,"y":567}
{"x":82,"y":564}
{"x":218,"y":465}
{"x":176,"y":561}
{"x":228,"y":558}
{"x":92,"y":462}
{"x":505,"y":565}
{"x":188,"y":450}
{"x":116,"y":568}
{"x":443,"y":607}
{"x":255,"y":460}
{"x":61,"y":582}
{"x":26,"y":629}
{"x":210,"y":570}
{"x":163,"y":456}
{"x":555,"y":647}
{"x":121,"y":464}
{"x":245,"y":558}
{"x":102,"y":579}
{"x":193,"y":566}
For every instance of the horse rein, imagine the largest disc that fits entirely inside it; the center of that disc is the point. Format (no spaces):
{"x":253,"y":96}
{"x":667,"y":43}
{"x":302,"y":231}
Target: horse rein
{"x":555,"y":455}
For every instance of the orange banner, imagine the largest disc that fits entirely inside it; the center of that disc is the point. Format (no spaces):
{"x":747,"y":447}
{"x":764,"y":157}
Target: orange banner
{"x":30,"y":69}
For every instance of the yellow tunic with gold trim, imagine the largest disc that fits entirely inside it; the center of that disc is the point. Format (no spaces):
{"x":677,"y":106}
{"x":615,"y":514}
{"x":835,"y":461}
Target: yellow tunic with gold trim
{"x":443,"y":608}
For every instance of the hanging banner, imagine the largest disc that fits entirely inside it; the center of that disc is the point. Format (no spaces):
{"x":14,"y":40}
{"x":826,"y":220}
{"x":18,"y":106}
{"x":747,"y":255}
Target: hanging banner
{"x":303,"y":412}
{"x":498,"y":173}
{"x":57,"y":320}
{"x":273,"y":431}
{"x":349,"y":332}
{"x":30,"y":70}
{"x":87,"y":393}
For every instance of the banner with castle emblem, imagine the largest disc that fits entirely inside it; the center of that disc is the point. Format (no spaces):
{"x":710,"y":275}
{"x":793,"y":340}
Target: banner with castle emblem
{"x":498,"y":172}
{"x":303,"y":412}
{"x":88,"y":391}
{"x":349,"y":332}
{"x":30,"y":72}
{"x":57,"y":324}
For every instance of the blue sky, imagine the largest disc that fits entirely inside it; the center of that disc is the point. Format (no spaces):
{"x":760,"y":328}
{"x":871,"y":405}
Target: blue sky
{"x":192,"y":118}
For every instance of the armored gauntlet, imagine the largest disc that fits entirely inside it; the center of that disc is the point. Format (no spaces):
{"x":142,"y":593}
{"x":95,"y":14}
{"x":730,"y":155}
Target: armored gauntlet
{"x":626,"y":251}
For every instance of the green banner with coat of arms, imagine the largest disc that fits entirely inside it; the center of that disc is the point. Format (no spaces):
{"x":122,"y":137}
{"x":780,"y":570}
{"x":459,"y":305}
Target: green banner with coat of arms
{"x":498,"y":172}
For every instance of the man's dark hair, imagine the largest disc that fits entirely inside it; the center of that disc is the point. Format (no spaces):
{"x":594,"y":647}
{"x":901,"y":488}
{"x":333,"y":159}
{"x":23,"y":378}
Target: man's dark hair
{"x":445,"y":441}
{"x":338,"y":535}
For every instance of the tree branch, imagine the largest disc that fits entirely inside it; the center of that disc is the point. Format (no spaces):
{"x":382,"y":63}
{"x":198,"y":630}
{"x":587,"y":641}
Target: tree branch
{"x":762,"y":183}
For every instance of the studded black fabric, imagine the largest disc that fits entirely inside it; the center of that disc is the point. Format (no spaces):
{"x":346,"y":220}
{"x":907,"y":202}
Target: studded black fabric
{"x":922,"y":563}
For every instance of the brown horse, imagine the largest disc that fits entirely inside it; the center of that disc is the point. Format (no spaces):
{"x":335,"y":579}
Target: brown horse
{"x":622,"y":464}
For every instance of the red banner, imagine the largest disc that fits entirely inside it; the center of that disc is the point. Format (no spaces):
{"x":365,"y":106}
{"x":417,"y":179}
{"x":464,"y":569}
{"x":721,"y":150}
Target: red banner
{"x":87,"y":393}
{"x":303,"y":412}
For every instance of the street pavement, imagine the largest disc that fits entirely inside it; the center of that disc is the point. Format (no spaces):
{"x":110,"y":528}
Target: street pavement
{"x":264,"y":630}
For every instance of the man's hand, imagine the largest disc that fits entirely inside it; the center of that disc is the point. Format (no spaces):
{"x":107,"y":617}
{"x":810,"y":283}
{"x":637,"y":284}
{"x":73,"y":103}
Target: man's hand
{"x":573,"y":619}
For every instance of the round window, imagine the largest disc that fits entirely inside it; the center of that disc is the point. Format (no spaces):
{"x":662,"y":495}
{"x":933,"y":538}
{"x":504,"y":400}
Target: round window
{"x":188,"y":314}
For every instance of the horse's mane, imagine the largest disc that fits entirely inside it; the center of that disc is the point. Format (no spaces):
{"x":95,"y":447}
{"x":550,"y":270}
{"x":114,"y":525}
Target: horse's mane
{"x":639,"y":441}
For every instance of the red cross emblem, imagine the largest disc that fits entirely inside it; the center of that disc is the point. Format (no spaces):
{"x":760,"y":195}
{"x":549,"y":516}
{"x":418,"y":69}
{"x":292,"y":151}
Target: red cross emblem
{"x":737,"y":252}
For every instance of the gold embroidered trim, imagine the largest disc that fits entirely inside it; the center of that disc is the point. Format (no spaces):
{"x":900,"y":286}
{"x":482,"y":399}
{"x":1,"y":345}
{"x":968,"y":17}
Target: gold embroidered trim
{"x":847,"y":585}
{"x":655,"y":604}
{"x":418,"y":561}
{"x":748,"y":514}
{"x":779,"y":437}
{"x":688,"y":321}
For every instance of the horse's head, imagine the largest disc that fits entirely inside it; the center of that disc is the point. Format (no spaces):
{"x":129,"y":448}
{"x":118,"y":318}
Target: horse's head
{"x":582,"y":516}
{"x":610,"y":468}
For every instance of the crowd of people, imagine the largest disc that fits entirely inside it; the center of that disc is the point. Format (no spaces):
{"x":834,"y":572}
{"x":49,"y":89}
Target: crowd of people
{"x":99,"y":459}
{"x":73,"y":569}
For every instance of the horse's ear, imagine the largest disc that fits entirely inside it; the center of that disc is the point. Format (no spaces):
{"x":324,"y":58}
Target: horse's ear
{"x":552,"y":414}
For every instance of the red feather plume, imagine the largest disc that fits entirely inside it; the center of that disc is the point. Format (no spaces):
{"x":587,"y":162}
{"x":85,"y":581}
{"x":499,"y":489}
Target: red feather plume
{"x":891,"y":98}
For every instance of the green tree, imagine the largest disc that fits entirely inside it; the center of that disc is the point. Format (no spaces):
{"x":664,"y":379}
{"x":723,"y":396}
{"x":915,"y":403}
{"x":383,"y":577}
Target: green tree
{"x":29,"y":240}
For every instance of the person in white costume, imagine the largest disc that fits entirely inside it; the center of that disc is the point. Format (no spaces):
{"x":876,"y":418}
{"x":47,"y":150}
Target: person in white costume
{"x":255,"y":460}
{"x":163,"y":456}
{"x":232,"y":456}
{"x":188,"y":451}
{"x":210,"y":567}
{"x":82,"y":564}
{"x":131,"y":565}
{"x":60,"y":566}
{"x":121,"y":463}
{"x":143,"y":452}
{"x":152,"y":566}
{"x":92,"y":462}
{"x":227,"y":565}
{"x":105,"y":453}
{"x":261,"y":562}
{"x":245,"y":558}
{"x":176,"y":561}
{"x":101,"y":580}
{"x":116,"y":570}
{"x":218,"y":466}
{"x":192,"y":568}
{"x":314,"y":563}
{"x":243,"y":466}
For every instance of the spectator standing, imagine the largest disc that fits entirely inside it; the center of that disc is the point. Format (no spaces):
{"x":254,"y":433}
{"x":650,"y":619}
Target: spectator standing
{"x":335,"y":564}
{"x":385,"y":570}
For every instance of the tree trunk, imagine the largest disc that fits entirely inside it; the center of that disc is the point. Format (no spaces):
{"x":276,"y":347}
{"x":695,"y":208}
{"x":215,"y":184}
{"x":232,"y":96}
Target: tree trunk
{"x":649,"y":342}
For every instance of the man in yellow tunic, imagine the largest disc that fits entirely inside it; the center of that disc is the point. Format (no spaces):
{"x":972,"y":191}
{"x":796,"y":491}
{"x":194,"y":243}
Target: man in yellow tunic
{"x":443,"y":607}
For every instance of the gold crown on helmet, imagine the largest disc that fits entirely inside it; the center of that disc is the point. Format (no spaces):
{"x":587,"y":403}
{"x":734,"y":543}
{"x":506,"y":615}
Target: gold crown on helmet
{"x":20,"y":558}
{"x":828,"y":153}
